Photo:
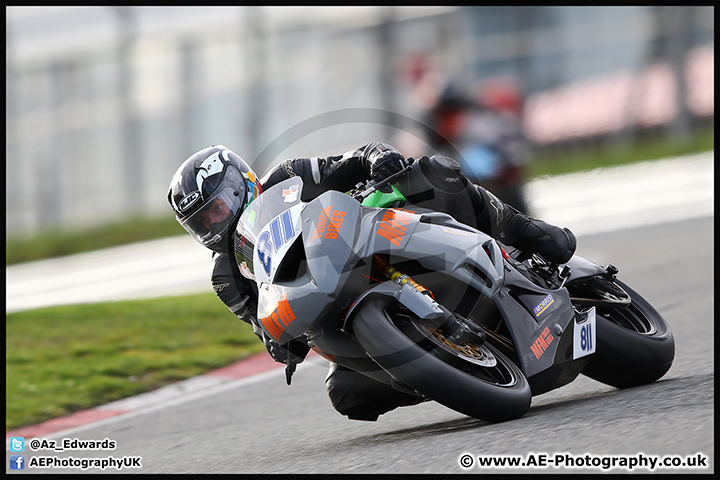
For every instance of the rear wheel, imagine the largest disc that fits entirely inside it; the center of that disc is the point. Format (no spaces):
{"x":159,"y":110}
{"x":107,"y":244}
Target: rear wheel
{"x":634,"y":344}
{"x":472,"y":378}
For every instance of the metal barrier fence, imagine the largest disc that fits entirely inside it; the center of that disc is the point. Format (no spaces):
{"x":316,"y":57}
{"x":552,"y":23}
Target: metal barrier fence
{"x":103,"y":103}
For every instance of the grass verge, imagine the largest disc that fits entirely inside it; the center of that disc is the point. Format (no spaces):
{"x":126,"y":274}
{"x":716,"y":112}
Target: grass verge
{"x":68,"y":358}
{"x":57,"y":243}
{"x":556,"y":161}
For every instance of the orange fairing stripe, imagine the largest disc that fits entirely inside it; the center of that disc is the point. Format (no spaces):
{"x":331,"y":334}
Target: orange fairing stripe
{"x":280,"y":318}
{"x":542,"y":343}
{"x":329,"y":223}
{"x":394,"y":225}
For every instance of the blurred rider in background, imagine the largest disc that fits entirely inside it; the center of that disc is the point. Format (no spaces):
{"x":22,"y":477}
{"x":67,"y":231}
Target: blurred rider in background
{"x":487,"y":132}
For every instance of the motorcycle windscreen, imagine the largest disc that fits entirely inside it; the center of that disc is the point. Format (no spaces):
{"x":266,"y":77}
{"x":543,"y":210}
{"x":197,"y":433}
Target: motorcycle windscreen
{"x":251,"y":227}
{"x":330,"y":236}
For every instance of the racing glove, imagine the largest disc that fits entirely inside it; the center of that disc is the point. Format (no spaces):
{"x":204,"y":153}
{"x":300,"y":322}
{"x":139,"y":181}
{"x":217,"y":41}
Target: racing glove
{"x":293,"y":351}
{"x":384,"y":159}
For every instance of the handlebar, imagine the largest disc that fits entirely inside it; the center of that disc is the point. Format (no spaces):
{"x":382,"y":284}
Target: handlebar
{"x":372,"y":186}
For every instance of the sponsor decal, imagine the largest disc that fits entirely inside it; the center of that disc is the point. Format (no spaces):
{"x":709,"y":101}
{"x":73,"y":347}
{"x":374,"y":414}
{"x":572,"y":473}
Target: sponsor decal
{"x":329,"y":223}
{"x":253,"y":187}
{"x":245,"y":271}
{"x":541,"y":344}
{"x":290,"y":195}
{"x":279,"y":319}
{"x":188,"y":201}
{"x":251,"y":217}
{"x":542,"y":306}
{"x":455,"y":231}
{"x":394,"y":225}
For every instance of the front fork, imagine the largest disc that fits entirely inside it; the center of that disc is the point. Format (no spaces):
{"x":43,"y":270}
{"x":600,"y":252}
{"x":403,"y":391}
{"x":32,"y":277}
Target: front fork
{"x":453,"y":328}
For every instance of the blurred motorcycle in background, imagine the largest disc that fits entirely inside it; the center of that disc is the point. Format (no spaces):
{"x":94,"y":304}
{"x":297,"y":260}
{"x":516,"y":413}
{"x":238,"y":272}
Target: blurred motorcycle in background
{"x":486,"y":131}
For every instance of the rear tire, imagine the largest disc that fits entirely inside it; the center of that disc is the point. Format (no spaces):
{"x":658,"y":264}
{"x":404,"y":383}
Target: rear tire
{"x":484,"y":384}
{"x":634,"y":344}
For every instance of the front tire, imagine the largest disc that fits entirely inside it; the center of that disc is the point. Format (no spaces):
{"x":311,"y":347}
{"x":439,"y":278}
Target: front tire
{"x":483,"y":384}
{"x":635,"y":345}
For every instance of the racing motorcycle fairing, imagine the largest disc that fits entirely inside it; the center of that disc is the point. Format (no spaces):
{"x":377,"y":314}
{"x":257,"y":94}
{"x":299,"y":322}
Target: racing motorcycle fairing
{"x":322,"y":242}
{"x":313,"y":261}
{"x":296,"y":252}
{"x":433,"y":307}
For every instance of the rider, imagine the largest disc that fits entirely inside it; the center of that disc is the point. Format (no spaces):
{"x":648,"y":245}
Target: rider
{"x":212,"y":187}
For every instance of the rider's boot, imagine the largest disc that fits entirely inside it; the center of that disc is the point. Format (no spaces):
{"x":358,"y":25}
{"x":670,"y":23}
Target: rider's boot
{"x":362,"y":398}
{"x":516,"y":229}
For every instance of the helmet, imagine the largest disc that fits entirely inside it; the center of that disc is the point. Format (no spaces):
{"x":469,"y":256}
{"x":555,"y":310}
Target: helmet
{"x":502,"y":95}
{"x":452,"y":97}
{"x":209,"y":192}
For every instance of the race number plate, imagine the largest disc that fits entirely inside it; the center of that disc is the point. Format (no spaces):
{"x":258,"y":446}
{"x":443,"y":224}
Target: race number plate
{"x":584,"y":335}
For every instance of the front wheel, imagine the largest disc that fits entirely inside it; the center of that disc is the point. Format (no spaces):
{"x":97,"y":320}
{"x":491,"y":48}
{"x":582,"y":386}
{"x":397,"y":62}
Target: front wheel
{"x":634,"y":344}
{"x":474,"y":379}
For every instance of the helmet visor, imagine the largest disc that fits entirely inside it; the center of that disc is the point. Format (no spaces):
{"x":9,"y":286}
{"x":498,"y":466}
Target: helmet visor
{"x":209,"y":223}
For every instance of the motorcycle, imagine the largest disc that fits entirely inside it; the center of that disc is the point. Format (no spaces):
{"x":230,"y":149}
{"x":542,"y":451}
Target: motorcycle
{"x":433,"y":307}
